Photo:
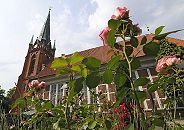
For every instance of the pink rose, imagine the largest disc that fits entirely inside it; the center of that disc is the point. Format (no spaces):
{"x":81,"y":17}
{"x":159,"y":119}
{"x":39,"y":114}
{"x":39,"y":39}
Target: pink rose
{"x":120,"y":12}
{"x":42,"y":84}
{"x":103,"y":35}
{"x":33,"y":83}
{"x":166,"y":61}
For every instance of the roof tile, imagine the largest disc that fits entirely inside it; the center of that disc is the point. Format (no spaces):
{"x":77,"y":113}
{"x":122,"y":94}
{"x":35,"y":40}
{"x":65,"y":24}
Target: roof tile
{"x":102,"y":53}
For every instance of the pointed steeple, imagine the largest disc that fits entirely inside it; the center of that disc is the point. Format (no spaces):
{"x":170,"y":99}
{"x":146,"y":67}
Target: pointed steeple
{"x":31,"y":42}
{"x":45,"y":32}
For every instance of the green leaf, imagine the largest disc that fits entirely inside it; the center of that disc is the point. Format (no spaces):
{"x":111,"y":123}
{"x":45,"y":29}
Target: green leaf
{"x":144,"y":40}
{"x":129,"y":50}
{"x":141,"y":81}
{"x":47,"y":105}
{"x":76,"y":86}
{"x":151,"y":49}
{"x":141,"y":96}
{"x":108,"y":124}
{"x":152,"y":87}
{"x":181,"y":65}
{"x":20,"y":103}
{"x":134,"y":41}
{"x":38,"y":106}
{"x":92,"y":124}
{"x":89,"y":119}
{"x":135,"y":64}
{"x":76,"y":68}
{"x":84,"y":72}
{"x":102,"y":129}
{"x":75,"y":58}
{"x":113,"y":63}
{"x":93,"y":80}
{"x":59,"y":62}
{"x":114,"y":24}
{"x":111,"y":38}
{"x":120,"y":93}
{"x":162,"y":36}
{"x":62,"y":71}
{"x":120,"y":79}
{"x":107,"y":76}
{"x":81,"y":69}
{"x":159,"y":30}
{"x":158,"y":122}
{"x":92,"y":63}
{"x":130,"y":127}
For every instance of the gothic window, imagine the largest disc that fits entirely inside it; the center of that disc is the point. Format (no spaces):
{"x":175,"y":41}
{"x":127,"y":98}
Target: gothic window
{"x":32,"y":65}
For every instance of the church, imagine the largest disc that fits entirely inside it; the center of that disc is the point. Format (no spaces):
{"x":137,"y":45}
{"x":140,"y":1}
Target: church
{"x":41,"y":53}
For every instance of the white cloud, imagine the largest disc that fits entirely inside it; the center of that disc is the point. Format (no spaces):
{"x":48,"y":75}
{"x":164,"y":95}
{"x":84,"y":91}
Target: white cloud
{"x":34,"y":26}
{"x":75,"y":25}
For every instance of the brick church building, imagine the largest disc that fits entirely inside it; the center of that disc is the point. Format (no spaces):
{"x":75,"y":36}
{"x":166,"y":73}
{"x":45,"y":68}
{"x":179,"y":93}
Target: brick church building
{"x":41,"y":53}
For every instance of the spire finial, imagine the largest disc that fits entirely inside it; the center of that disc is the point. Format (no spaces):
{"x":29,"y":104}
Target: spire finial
{"x":50,"y":8}
{"x":45,"y":32}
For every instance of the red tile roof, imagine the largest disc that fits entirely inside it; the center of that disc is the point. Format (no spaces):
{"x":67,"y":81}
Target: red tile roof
{"x":102,"y":53}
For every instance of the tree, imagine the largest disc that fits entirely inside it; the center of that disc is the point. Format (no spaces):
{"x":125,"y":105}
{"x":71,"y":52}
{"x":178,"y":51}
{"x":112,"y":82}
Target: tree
{"x":2,"y":91}
{"x":10,"y":92}
{"x":5,"y":99}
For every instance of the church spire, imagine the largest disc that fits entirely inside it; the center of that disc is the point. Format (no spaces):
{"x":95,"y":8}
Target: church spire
{"x":45,"y":32}
{"x":31,"y":42}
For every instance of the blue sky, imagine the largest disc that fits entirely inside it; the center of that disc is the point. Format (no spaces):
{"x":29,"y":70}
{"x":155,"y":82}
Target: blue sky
{"x":75,"y":25}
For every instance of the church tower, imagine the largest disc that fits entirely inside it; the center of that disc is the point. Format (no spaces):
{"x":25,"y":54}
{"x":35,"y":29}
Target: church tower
{"x":40,"y":54}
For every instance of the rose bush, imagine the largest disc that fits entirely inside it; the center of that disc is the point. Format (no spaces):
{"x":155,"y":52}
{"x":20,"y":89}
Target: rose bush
{"x":124,"y":117}
{"x":75,"y":113}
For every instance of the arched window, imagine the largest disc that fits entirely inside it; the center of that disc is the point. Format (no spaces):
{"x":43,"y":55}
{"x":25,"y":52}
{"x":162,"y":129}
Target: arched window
{"x":32,"y":65}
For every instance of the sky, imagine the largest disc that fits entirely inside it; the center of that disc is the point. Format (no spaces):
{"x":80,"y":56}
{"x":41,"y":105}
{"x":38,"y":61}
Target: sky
{"x":75,"y":25}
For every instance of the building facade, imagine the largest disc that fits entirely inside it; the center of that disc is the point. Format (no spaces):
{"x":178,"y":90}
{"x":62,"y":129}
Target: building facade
{"x":41,"y":53}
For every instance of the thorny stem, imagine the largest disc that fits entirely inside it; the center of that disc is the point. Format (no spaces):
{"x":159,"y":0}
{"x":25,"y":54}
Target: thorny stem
{"x":66,"y":108}
{"x":131,"y":82}
{"x":174,"y":116}
{"x":66,"y":115}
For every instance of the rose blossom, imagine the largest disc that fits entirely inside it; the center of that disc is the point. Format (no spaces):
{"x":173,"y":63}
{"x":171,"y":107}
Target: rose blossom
{"x":166,"y":61}
{"x":103,"y":35}
{"x":36,"y":83}
{"x":42,"y":84}
{"x":120,"y":12}
{"x":33,"y":83}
